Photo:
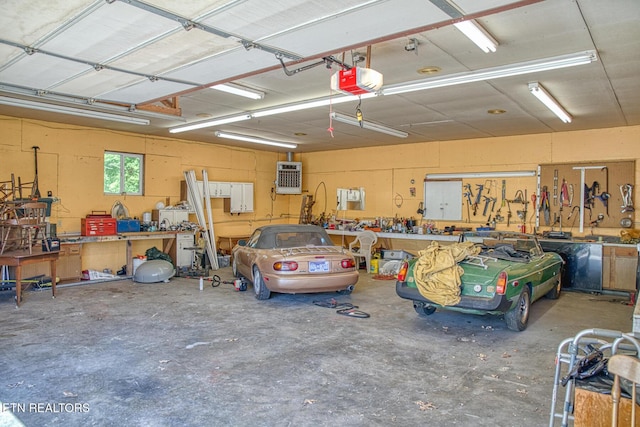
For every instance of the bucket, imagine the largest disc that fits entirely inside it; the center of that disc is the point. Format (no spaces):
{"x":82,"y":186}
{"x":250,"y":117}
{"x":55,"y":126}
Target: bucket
{"x":374,"y":266}
{"x":146,"y":217}
{"x":137,"y":262}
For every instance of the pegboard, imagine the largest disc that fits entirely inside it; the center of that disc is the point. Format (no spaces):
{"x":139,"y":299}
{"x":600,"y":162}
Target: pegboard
{"x":604,"y":184}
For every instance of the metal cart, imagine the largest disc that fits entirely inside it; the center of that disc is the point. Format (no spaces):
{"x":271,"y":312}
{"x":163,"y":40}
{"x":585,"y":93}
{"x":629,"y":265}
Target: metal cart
{"x":571,"y":351}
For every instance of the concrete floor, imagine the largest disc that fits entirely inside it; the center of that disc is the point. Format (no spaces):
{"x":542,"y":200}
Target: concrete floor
{"x":123,"y":354}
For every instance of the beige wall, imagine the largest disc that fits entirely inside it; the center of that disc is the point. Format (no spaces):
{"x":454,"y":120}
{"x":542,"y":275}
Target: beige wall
{"x":386,"y":172}
{"x":70,"y":165}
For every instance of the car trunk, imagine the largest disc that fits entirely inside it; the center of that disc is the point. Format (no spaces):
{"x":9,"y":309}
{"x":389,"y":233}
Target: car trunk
{"x":480,"y":276}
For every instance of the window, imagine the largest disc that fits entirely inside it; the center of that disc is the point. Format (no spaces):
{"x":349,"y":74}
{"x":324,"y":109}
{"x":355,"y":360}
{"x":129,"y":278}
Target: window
{"x":123,"y":173}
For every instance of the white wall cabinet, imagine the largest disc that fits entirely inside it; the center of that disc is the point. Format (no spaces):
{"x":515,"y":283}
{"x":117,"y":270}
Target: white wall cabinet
{"x":220,"y":189}
{"x":443,"y":200}
{"x":217,"y":190}
{"x":241,"y":199}
{"x":169,"y":216}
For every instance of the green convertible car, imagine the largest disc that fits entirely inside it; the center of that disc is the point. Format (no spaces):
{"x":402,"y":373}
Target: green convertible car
{"x":500,"y":273}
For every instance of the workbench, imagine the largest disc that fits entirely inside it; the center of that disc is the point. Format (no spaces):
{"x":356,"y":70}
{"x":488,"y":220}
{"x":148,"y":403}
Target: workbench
{"x":407,"y":241}
{"x":168,"y":242}
{"x":19,"y":259}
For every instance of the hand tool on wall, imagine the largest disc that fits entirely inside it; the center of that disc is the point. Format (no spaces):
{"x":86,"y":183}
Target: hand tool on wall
{"x":573,"y":209}
{"x":564,"y":194}
{"x":604,"y":197}
{"x":544,"y":205}
{"x":486,"y":205}
{"x":35,"y":192}
{"x":590,"y":193}
{"x":480,"y":188}
{"x":467,"y":194}
{"x":571,"y":194}
{"x":534,"y":198}
{"x":626,"y":191}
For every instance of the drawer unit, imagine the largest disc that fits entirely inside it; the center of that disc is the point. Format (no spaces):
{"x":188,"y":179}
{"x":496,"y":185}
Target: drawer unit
{"x":98,"y":226}
{"x":70,"y":262}
{"x":182,"y":251}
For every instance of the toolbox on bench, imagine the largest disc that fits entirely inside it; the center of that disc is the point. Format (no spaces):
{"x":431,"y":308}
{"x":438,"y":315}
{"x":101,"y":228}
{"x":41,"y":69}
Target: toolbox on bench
{"x":98,"y":224}
{"x":128,"y":225}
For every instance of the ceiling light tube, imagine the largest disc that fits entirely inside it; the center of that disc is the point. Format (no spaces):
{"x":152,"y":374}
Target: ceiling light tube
{"x":210,"y":123}
{"x":369,"y":125}
{"x":546,"y":64}
{"x":239,"y":90}
{"x":310,"y":104}
{"x":23,"y":103}
{"x":478,"y":35}
{"x":249,"y":138}
{"x":540,"y":92}
{"x":509,"y":174}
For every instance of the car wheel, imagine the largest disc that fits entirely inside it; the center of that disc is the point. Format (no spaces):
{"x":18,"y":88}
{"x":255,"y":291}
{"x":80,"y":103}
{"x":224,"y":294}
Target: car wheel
{"x":260,"y":289}
{"x":424,"y":310}
{"x":348,"y":290}
{"x":555,"y":292}
{"x":518,"y":317}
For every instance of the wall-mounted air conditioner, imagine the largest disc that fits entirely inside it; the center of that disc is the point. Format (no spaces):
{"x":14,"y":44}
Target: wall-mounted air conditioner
{"x":289,"y":178}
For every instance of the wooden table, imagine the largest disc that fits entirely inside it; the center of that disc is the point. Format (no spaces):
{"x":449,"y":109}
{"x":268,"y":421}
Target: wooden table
{"x":18,"y":259}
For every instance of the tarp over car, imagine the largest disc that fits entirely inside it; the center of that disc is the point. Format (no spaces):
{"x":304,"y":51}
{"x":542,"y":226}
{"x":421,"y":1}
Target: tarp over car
{"x":437,"y":273}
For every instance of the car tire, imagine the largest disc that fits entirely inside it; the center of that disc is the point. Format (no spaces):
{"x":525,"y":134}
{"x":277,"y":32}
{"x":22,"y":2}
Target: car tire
{"x":259,"y":288}
{"x":555,"y":292}
{"x":424,"y":310}
{"x":518,"y":317}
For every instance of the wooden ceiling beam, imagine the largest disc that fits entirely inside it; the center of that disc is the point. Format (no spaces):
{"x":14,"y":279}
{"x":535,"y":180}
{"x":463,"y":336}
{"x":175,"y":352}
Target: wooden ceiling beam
{"x":168,"y":106}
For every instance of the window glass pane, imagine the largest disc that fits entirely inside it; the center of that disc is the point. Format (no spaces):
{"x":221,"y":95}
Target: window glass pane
{"x":132,"y":174}
{"x":123,"y":173}
{"x":111,"y":173}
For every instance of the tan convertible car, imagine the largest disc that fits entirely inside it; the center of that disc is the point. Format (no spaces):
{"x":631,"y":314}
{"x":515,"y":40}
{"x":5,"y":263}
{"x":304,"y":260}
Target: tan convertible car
{"x":294,"y":259}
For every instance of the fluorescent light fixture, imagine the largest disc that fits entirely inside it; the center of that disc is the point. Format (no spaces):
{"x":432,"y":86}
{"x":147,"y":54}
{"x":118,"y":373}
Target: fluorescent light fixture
{"x":23,"y":103}
{"x":546,"y":64}
{"x":478,"y":35}
{"x":272,"y":111}
{"x":540,"y":92}
{"x":310,"y":104}
{"x":509,"y":174}
{"x":239,"y":90}
{"x":249,"y":138}
{"x":369,"y":125}
{"x":210,"y":123}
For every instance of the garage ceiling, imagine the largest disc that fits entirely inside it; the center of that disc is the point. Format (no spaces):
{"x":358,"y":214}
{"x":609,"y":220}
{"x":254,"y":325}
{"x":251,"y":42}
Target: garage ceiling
{"x":155,"y":60}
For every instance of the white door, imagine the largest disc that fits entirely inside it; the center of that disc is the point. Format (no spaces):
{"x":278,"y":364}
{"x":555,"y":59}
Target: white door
{"x":443,"y":200}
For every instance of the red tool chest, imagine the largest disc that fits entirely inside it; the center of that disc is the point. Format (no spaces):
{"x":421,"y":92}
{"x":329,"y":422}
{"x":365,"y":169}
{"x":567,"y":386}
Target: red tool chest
{"x":98,"y":224}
